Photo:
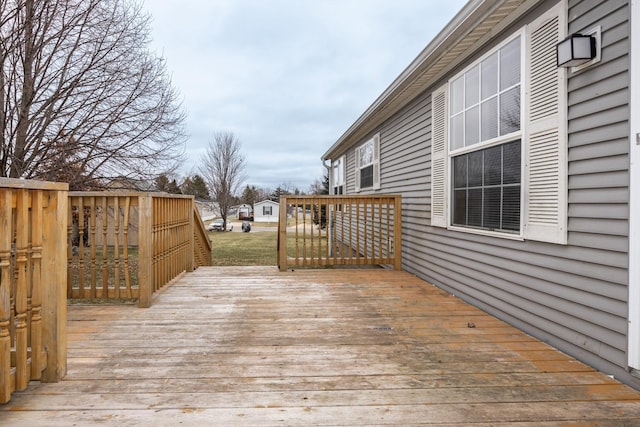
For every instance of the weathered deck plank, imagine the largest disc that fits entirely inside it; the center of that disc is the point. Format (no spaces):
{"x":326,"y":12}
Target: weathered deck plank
{"x":253,"y":346}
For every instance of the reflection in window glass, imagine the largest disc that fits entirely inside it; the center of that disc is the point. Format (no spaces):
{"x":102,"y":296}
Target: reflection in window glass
{"x":485,"y":100}
{"x":457,"y":95}
{"x":472,"y":126}
{"x":338,"y":172}
{"x":510,"y":111}
{"x":366,"y":153}
{"x":510,"y":64}
{"x":471,"y":86}
{"x":456,"y":131}
{"x":489,"y":82}
{"x":489,"y":121}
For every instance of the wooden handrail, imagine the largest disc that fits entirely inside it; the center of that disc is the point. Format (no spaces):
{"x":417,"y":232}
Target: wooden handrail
{"x":33,"y":310}
{"x":318,"y":231}
{"x":201,"y":241}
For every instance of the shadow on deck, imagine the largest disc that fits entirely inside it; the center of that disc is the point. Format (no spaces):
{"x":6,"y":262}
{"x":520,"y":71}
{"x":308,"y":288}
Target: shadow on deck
{"x":253,"y":346}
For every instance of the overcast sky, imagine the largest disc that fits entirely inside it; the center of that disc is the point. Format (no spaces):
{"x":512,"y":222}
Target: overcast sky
{"x":287,"y":77}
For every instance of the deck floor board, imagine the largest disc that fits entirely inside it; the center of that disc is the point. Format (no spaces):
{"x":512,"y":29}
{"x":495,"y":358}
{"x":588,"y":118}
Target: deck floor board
{"x":254,"y":346}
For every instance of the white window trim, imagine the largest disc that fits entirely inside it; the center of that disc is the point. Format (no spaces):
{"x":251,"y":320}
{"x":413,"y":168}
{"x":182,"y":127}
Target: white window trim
{"x":375,"y":139}
{"x":633,"y":353}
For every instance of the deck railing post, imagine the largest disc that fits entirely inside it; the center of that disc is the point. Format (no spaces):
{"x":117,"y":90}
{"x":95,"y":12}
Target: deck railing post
{"x":397,"y":233}
{"x":54,"y":286}
{"x":145,"y":251}
{"x":6,"y":238}
{"x":192,"y":235}
{"x":282,"y":234}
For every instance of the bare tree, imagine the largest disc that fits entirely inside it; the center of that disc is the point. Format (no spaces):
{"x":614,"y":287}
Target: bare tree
{"x":320,"y":186}
{"x":223,"y":169}
{"x":263,"y":193}
{"x":81,"y":96}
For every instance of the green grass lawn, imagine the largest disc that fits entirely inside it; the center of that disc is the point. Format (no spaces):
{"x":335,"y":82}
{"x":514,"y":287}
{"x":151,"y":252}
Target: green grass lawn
{"x":254,"y":248}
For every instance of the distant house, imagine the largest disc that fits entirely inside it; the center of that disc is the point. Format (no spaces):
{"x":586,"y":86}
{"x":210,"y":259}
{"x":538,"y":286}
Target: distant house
{"x":266,"y":211}
{"x":244,"y":212}
{"x":520,"y":177}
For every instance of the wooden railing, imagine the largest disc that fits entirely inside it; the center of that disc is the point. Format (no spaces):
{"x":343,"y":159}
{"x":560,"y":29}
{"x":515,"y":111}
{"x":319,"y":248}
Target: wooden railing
{"x":33,"y":307}
{"x":201,"y":241}
{"x":318,"y":231}
{"x":130,"y":245}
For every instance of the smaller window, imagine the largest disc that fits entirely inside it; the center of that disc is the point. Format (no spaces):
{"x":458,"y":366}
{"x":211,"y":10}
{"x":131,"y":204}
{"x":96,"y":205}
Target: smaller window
{"x":338,"y":176}
{"x":267,"y":210}
{"x":368,"y":164}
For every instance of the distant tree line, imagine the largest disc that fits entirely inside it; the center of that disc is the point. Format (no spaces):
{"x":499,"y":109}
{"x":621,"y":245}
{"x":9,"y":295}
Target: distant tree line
{"x":195,"y":185}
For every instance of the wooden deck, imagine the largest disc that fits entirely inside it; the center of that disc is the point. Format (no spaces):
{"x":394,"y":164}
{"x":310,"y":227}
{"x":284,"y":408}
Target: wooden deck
{"x":254,"y":346}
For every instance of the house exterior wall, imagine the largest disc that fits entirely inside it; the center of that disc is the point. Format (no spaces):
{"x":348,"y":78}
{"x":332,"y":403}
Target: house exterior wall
{"x":258,"y":215}
{"x":634,"y":190}
{"x":574,"y":295}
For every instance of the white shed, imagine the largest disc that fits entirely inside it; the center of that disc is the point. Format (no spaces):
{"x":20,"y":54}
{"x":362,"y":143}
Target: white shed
{"x":266,"y":211}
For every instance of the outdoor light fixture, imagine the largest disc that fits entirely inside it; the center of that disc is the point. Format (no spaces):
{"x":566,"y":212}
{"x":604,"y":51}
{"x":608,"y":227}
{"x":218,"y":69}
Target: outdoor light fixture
{"x":575,"y":50}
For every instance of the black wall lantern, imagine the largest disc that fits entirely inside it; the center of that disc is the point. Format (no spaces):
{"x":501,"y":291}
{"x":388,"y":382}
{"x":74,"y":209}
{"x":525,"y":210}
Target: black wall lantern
{"x":575,"y":50}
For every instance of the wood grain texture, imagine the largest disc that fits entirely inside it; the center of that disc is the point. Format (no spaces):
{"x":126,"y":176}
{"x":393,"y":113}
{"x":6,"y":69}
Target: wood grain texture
{"x":255,"y":346}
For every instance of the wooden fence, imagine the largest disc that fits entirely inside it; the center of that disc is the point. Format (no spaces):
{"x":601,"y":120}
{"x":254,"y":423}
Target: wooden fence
{"x":33,"y":310}
{"x":317,"y":231}
{"x":129,"y":245}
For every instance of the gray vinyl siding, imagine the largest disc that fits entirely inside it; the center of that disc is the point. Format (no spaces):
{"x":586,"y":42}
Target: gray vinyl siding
{"x":350,"y":172}
{"x":573,"y":296}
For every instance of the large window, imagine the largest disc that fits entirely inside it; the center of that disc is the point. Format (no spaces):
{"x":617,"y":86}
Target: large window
{"x":485,"y":142}
{"x":499,"y":139}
